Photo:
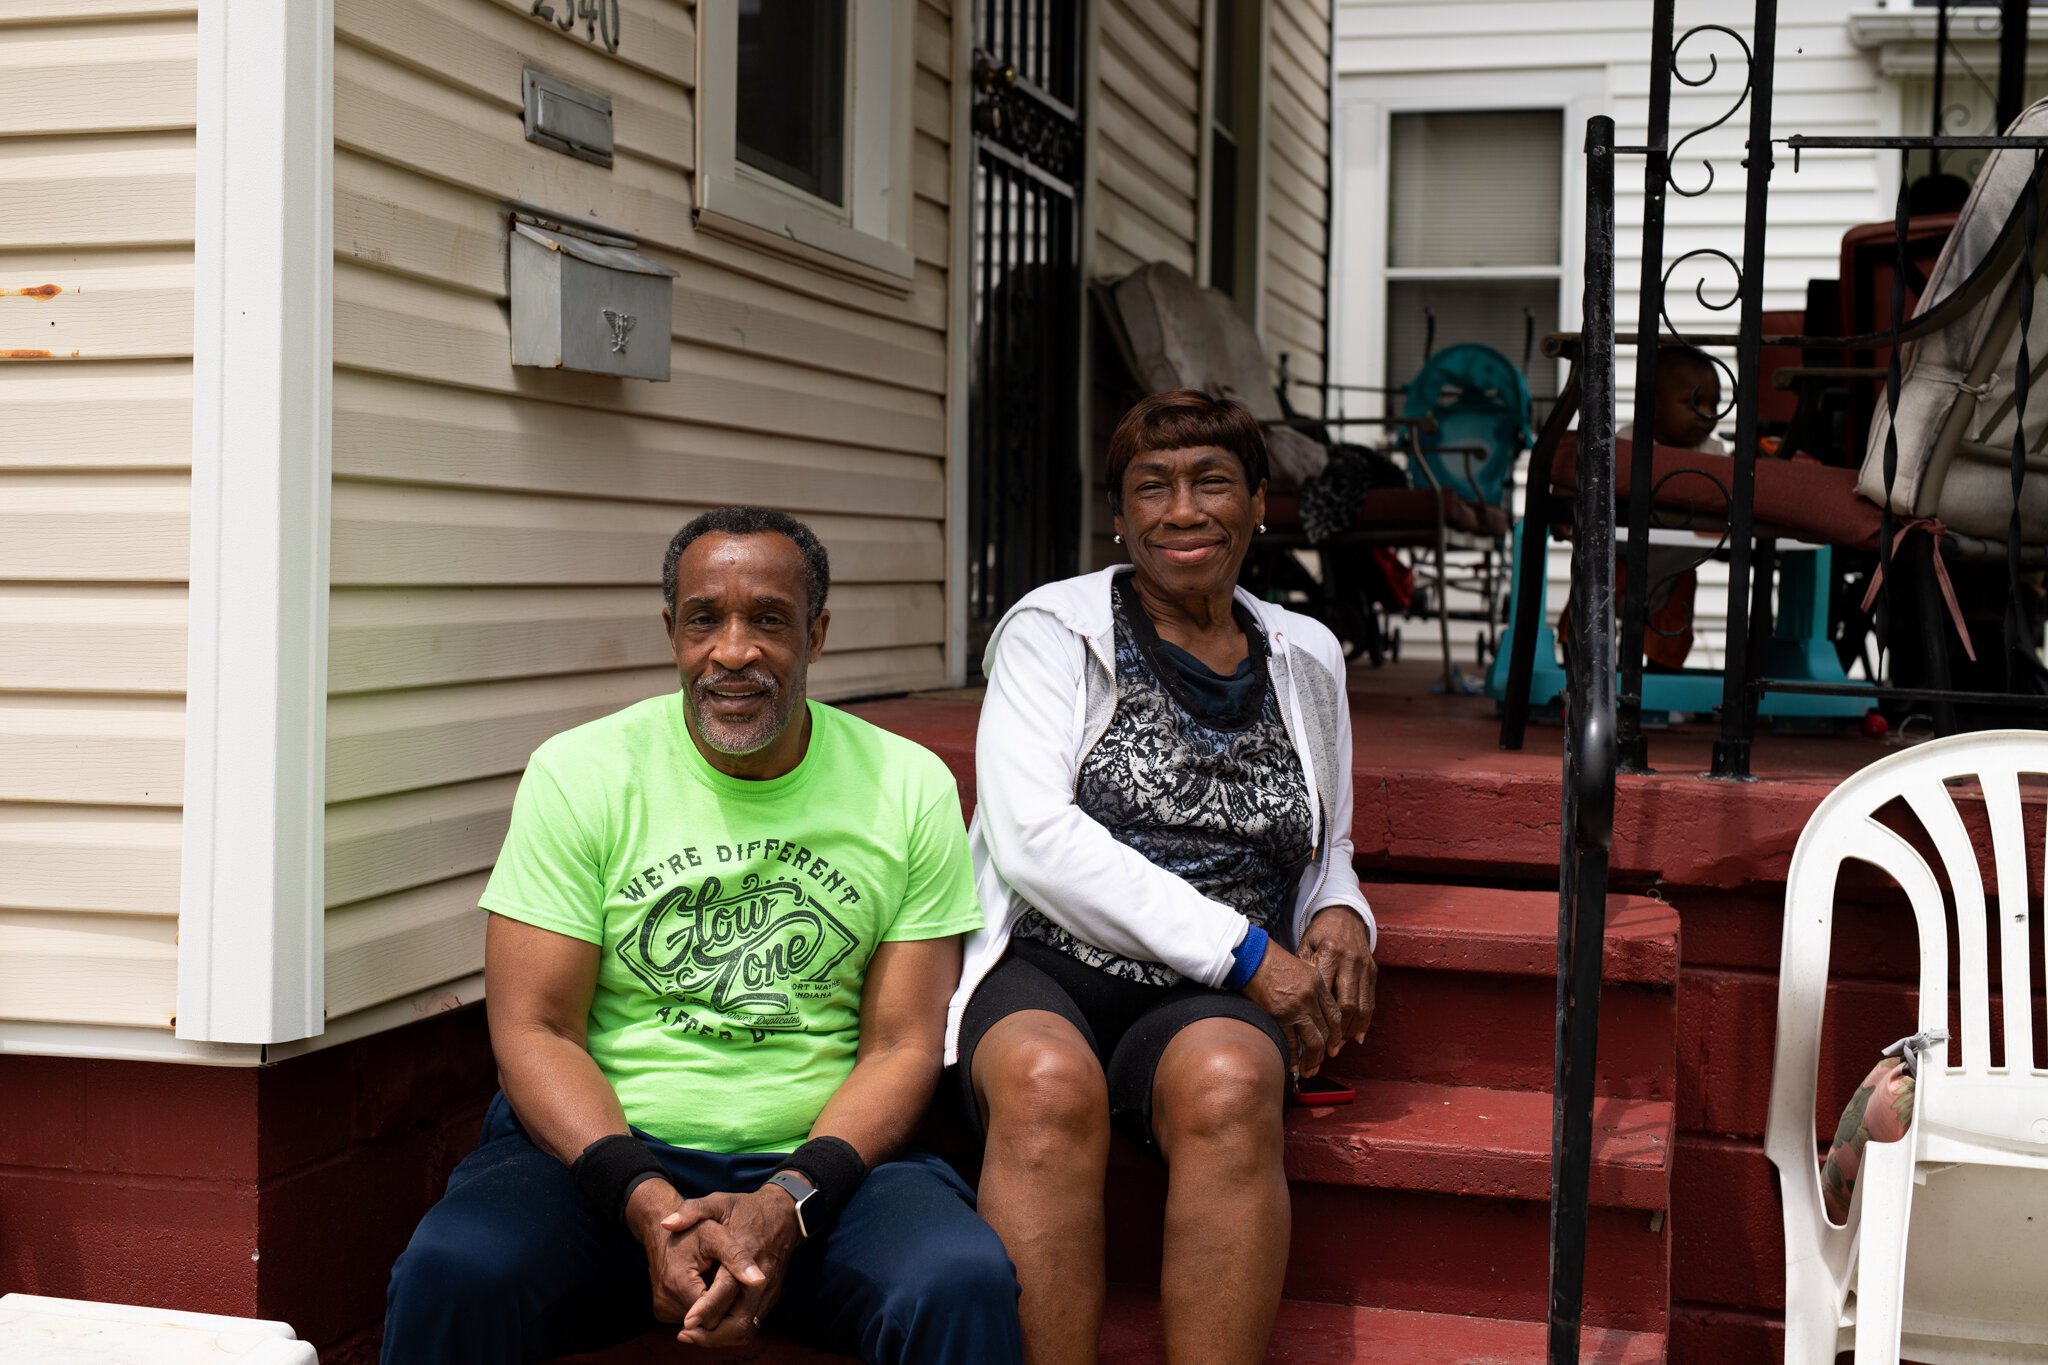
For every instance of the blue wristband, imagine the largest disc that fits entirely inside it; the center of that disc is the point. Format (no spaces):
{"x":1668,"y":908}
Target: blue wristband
{"x":1245,"y":959}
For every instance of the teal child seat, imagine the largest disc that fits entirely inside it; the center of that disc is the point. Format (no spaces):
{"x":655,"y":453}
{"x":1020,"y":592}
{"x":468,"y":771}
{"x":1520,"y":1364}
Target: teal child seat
{"x":1481,"y":405}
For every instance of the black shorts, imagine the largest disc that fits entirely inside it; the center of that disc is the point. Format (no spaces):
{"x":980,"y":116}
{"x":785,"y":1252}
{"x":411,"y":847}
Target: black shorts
{"x":1127,"y":1024}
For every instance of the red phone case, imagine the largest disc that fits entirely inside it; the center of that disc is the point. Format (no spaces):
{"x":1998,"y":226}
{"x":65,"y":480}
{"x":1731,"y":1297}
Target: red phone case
{"x":1316,"y":1097}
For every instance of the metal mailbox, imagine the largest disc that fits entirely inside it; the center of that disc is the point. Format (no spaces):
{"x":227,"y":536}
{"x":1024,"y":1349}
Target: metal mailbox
{"x":581,"y":301}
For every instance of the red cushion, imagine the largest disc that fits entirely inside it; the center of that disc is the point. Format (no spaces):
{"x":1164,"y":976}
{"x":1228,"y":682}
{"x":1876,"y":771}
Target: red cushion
{"x":1794,"y":499}
{"x":1776,"y":404}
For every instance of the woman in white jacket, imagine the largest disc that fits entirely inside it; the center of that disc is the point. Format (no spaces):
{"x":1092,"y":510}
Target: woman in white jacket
{"x":1162,"y":844}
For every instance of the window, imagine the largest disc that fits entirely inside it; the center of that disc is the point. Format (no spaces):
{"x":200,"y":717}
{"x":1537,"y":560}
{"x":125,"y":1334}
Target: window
{"x":1474,"y":236}
{"x":804,"y":132}
{"x":1236,"y":29}
{"x":789,"y":91}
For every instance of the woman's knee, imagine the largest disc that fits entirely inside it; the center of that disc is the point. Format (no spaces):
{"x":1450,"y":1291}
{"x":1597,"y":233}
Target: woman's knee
{"x":1226,"y":1086}
{"x":1040,"y":1087}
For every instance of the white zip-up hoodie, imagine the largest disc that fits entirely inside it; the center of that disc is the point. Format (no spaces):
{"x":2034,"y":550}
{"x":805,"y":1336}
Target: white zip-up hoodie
{"x":1051,"y":667}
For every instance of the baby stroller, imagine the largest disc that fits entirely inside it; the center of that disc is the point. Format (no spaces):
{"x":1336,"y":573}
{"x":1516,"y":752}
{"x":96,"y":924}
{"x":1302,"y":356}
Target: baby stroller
{"x":1477,"y":403}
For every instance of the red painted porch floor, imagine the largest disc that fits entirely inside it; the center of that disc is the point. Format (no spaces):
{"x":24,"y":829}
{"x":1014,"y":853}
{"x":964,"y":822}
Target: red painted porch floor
{"x":1394,"y":707}
{"x":1436,"y":793}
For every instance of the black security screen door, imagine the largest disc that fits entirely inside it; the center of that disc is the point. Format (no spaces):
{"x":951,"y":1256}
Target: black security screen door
{"x":1024,"y":473}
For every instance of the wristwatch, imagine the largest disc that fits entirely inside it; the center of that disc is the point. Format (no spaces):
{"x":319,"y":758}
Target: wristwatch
{"x":799,"y":1189}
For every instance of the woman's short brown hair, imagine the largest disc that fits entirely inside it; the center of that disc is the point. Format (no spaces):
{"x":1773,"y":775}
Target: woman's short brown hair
{"x":1181,"y":419}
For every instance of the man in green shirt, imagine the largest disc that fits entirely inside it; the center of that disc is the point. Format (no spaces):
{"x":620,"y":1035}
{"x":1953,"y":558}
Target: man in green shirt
{"x":723,"y":930}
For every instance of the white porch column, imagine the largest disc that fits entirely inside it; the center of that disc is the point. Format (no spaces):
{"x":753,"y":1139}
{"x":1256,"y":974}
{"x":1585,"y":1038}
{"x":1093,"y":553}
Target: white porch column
{"x":251,"y":944}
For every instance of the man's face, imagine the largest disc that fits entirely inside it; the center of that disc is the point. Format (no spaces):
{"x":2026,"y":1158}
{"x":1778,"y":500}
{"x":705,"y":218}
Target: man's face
{"x":740,"y":638}
{"x":1688,"y":397}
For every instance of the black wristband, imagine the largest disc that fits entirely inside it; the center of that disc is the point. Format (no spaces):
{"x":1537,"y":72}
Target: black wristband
{"x":835,"y":1171}
{"x":610,"y":1169}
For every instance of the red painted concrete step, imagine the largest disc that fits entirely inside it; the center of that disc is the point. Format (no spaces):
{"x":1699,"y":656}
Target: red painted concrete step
{"x":1335,"y":1334}
{"x":1468,"y":991}
{"x":1487,"y":929}
{"x":1434,"y":1199}
{"x":1303,"y":1334}
{"x":1465,"y":1140}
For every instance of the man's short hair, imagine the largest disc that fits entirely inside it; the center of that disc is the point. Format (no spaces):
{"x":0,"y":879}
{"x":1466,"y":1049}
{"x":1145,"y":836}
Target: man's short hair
{"x":753,"y":521}
{"x":1182,"y":419}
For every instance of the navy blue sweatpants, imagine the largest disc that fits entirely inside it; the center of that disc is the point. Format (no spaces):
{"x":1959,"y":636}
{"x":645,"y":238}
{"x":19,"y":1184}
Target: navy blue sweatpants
{"x":512,"y":1265}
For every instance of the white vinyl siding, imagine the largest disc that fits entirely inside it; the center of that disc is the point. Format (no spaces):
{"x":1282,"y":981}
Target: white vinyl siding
{"x":96,"y":172}
{"x":498,"y":533}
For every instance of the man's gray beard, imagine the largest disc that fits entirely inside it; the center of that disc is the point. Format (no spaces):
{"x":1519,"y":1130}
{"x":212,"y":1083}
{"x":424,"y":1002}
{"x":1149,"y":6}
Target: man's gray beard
{"x":739,"y":740}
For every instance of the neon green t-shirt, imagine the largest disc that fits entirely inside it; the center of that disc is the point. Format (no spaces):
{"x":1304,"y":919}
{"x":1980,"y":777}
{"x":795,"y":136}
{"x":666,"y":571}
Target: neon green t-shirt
{"x":736,"y":918}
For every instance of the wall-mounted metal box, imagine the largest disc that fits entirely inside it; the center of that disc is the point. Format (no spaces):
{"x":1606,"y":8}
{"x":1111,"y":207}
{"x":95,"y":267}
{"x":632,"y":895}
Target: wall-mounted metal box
{"x":581,"y":301}
{"x":566,"y":118}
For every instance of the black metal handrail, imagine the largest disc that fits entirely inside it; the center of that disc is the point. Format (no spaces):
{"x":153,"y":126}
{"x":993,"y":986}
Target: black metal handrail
{"x":1589,"y":769}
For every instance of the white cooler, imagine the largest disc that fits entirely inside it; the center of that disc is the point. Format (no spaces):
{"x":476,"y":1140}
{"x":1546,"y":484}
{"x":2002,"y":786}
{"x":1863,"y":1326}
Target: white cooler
{"x":39,"y":1331}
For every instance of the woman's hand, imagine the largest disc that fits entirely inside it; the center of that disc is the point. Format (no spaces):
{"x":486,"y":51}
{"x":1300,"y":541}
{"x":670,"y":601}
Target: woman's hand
{"x":1295,"y":994}
{"x":1339,"y":947}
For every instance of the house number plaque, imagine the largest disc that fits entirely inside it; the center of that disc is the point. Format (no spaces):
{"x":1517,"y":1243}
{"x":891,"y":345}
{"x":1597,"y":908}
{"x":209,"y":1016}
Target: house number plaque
{"x":600,"y":18}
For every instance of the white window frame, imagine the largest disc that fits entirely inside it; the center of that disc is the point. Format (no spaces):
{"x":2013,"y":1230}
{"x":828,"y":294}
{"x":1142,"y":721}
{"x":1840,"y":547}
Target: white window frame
{"x":1363,"y":165}
{"x":1252,"y":153}
{"x":868,"y":237}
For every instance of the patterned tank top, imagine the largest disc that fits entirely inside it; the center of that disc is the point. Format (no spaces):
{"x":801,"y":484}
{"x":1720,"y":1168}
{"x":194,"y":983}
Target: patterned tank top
{"x":1215,"y":796}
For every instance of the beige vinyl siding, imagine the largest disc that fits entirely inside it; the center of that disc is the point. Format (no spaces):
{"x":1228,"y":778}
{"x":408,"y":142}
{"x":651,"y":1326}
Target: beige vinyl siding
{"x":1145,"y":196}
{"x":498,"y":533}
{"x":1147,"y":107}
{"x":1297,"y":166}
{"x":1824,"y":85}
{"x":96,"y":175}
{"x":1149,"y":148}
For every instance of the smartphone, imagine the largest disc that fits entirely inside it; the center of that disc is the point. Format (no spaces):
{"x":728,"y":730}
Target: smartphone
{"x":1318,"y":1091}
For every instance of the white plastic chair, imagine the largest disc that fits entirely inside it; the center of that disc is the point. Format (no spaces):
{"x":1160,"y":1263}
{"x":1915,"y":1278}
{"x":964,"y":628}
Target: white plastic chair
{"x":1945,"y":1252}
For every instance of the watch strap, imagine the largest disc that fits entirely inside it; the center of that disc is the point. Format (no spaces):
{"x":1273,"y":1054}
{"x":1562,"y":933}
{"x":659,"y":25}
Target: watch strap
{"x":799,"y":1189}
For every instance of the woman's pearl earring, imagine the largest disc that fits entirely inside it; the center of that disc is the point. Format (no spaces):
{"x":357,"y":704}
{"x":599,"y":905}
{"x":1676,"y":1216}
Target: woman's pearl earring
{"x":1119,"y":539}
{"x":1262,"y":528}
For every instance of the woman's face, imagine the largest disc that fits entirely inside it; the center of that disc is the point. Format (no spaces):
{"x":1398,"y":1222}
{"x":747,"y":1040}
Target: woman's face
{"x":1188,"y":519}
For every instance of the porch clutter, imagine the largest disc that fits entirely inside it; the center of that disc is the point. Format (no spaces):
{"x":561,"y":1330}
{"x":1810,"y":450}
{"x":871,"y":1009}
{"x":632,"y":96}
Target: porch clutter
{"x":1429,"y":493}
{"x":1944,"y":453}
